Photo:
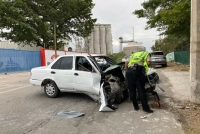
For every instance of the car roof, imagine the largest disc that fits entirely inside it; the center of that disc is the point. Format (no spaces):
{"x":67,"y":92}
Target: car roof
{"x":80,"y":54}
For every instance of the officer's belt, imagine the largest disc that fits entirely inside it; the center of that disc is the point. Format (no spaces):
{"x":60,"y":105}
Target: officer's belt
{"x":138,"y":63}
{"x":133,"y":68}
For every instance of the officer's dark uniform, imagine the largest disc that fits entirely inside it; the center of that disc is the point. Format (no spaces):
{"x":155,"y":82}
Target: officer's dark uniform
{"x":135,"y":76}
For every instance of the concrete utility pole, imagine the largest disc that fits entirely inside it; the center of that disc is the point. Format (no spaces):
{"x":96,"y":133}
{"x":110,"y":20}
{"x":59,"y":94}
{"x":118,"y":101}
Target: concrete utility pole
{"x":195,"y":52}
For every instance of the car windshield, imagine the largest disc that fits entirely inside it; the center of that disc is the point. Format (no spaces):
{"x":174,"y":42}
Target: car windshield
{"x":103,"y":62}
{"x":157,"y":53}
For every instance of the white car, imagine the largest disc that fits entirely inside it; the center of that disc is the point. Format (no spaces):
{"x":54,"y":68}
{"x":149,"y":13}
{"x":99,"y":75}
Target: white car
{"x":80,"y":73}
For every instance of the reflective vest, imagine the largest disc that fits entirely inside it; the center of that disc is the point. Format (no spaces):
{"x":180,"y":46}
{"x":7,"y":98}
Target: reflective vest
{"x":139,"y":57}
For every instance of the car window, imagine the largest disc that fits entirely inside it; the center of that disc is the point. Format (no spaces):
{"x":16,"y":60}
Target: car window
{"x":157,"y":53}
{"x":83,"y":64}
{"x":100,"y":60}
{"x":93,"y":60}
{"x":56,"y":65}
{"x":105,"y":60}
{"x":66,"y":63}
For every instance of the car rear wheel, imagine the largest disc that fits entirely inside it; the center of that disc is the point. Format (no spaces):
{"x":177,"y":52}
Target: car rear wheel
{"x":51,"y":90}
{"x":165,"y":65}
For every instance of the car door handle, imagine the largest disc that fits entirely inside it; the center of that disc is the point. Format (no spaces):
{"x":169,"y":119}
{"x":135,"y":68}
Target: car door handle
{"x":76,"y":74}
{"x":52,"y":72}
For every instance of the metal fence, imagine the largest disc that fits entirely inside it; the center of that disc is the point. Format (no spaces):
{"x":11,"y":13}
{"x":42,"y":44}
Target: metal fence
{"x":170,"y":56}
{"x":12,"y":60}
{"x":182,"y":57}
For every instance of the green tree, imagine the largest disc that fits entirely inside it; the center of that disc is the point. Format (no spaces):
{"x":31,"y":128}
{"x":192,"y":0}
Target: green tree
{"x":171,"y":17}
{"x":170,"y":44}
{"x":156,"y":46}
{"x":31,"y":22}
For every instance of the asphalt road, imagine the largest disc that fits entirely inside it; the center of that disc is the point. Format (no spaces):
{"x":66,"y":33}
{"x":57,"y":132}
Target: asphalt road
{"x":25,"y":109}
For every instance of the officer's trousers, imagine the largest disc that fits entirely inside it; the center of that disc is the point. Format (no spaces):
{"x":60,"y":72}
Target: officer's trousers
{"x":136,"y":80}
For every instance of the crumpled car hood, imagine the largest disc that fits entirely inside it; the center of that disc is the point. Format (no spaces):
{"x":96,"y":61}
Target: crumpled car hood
{"x":111,"y":68}
{"x":116,"y":71}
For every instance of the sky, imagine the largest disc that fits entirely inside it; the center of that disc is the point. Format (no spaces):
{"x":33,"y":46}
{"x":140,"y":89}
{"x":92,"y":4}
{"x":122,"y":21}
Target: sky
{"x":118,"y":13}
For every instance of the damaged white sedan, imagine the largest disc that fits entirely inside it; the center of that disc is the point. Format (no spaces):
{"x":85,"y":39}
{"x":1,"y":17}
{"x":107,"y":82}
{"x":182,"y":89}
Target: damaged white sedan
{"x":82,"y":73}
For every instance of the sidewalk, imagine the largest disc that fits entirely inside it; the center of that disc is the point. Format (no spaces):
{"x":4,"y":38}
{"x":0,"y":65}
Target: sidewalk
{"x":180,"y":83}
{"x":176,"y":84}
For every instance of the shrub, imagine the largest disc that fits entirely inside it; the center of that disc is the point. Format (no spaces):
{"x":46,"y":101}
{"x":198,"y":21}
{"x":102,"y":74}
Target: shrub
{"x":117,"y":56}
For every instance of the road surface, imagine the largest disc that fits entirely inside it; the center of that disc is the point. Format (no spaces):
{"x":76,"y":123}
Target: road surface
{"x":25,"y":109}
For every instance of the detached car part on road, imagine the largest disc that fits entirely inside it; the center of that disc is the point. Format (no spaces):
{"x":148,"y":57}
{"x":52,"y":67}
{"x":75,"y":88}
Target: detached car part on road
{"x":80,"y":73}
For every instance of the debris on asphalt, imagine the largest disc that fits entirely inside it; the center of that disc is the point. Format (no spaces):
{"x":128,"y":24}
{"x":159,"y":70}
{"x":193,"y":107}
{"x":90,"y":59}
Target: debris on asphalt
{"x":180,"y":107}
{"x":142,"y":117}
{"x":69,"y":114}
{"x":187,"y":107}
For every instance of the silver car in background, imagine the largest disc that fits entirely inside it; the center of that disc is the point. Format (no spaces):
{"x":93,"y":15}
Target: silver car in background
{"x":158,"y":58}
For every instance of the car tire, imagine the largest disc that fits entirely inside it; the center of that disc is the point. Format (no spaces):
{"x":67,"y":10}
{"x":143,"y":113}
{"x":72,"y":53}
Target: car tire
{"x":51,"y":90}
{"x":165,"y":65}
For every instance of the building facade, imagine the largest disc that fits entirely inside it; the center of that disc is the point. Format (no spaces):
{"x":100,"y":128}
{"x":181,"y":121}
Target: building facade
{"x":10,"y":45}
{"x":133,"y":47}
{"x":100,"y":40}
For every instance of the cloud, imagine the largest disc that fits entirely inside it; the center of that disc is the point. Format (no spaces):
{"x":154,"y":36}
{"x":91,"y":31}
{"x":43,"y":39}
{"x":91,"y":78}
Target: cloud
{"x":118,"y":13}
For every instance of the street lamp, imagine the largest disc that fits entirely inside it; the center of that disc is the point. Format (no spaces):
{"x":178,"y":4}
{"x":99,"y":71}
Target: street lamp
{"x":41,"y":17}
{"x":55,"y":46}
{"x":54,"y":38}
{"x":54,"y":34}
{"x":89,"y":44}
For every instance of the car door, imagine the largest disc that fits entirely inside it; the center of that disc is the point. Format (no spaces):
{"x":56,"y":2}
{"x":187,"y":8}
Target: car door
{"x":62,"y":72}
{"x":86,"y":77}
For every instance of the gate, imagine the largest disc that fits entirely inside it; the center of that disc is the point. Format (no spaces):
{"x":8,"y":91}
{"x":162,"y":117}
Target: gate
{"x":12,"y":60}
{"x":182,"y":57}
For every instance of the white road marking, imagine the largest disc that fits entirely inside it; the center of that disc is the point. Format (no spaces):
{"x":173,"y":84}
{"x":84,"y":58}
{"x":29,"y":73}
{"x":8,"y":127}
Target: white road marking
{"x":7,"y":86}
{"x":14,"y":89}
{"x":11,"y":85}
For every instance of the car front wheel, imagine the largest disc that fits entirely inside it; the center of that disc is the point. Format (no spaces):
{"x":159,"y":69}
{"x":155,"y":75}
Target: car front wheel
{"x":51,"y":90}
{"x":118,"y":98}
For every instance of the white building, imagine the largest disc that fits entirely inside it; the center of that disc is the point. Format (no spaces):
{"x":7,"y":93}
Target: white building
{"x":10,"y":45}
{"x":133,"y":47}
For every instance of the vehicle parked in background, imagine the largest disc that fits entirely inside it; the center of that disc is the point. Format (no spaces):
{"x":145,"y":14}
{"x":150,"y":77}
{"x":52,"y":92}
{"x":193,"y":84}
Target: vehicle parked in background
{"x":158,"y":58}
{"x":97,"y":76}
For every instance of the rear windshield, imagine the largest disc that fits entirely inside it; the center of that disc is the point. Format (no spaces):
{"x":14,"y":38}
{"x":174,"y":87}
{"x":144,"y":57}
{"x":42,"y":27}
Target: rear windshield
{"x":157,"y":53}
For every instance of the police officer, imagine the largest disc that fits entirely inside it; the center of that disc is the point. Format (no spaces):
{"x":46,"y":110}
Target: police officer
{"x":137,"y":66}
